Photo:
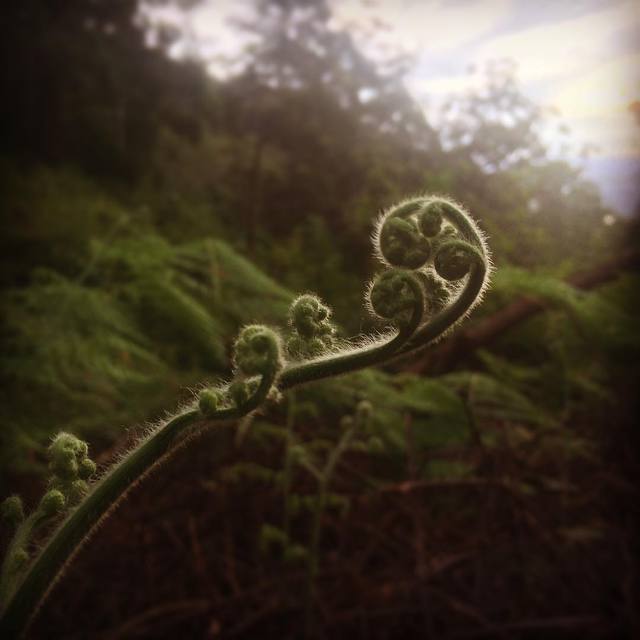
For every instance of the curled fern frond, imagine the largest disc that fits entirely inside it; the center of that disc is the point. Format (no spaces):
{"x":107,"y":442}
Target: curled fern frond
{"x":402,"y":244}
{"x":312,"y":330}
{"x":209,"y":402}
{"x":437,"y":267}
{"x":430,"y":217}
{"x":455,"y":259}
{"x":396,"y":295}
{"x":258,"y":358}
{"x":70,"y":467}
{"x":258,"y":351}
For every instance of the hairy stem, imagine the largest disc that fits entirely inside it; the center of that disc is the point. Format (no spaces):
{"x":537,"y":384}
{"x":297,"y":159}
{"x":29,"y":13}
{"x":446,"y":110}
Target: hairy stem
{"x":75,"y":529}
{"x":104,"y":495}
{"x":19,"y":542}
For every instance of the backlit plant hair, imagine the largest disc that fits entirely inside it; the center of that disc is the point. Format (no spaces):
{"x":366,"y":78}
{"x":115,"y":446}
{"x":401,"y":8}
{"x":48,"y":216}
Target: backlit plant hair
{"x":436,"y":266}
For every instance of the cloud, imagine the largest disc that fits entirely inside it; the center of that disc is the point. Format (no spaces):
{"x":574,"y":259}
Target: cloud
{"x":605,"y":90}
{"x":446,"y":84}
{"x":596,"y":102}
{"x":577,"y":65}
{"x":424,"y":25}
{"x":205,"y":29}
{"x":616,"y":135}
{"x":563,"y":48}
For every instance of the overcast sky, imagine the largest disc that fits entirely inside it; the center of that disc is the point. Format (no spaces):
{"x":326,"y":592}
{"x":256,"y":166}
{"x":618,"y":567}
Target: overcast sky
{"x":581,"y":56}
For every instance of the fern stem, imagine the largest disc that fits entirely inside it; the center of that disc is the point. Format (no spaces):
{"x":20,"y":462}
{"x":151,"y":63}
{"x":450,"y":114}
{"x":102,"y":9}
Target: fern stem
{"x":19,"y":541}
{"x":82,"y":521}
{"x":105,"y":494}
{"x":396,"y":295}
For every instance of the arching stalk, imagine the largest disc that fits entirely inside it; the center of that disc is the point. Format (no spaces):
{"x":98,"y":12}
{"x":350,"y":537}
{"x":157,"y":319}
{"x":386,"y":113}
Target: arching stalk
{"x":436,"y":269}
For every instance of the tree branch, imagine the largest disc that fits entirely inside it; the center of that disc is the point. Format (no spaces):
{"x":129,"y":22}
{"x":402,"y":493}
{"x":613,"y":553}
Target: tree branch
{"x":447,"y":354}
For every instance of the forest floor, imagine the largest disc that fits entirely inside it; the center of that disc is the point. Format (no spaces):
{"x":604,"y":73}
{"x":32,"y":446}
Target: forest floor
{"x":419,"y":559}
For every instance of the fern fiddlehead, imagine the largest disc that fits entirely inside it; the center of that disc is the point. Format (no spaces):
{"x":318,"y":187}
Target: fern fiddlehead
{"x":437,"y":266}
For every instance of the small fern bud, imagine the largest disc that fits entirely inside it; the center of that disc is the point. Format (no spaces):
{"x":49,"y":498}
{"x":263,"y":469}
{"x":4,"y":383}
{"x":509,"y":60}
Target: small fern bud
{"x":258,"y":351}
{"x":86,"y":469}
{"x":454,"y":259}
{"x":402,"y":244}
{"x":51,"y":503}
{"x":430,"y":218}
{"x":64,"y":465}
{"x":12,"y":510}
{"x":309,"y":318}
{"x":241,"y":390}
{"x":65,"y":452}
{"x":208,"y":402}
{"x":77,"y":491}
{"x":394,"y":295}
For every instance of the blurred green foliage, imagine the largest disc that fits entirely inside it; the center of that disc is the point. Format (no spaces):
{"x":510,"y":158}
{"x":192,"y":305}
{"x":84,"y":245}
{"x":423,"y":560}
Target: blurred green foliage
{"x":133,"y":184}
